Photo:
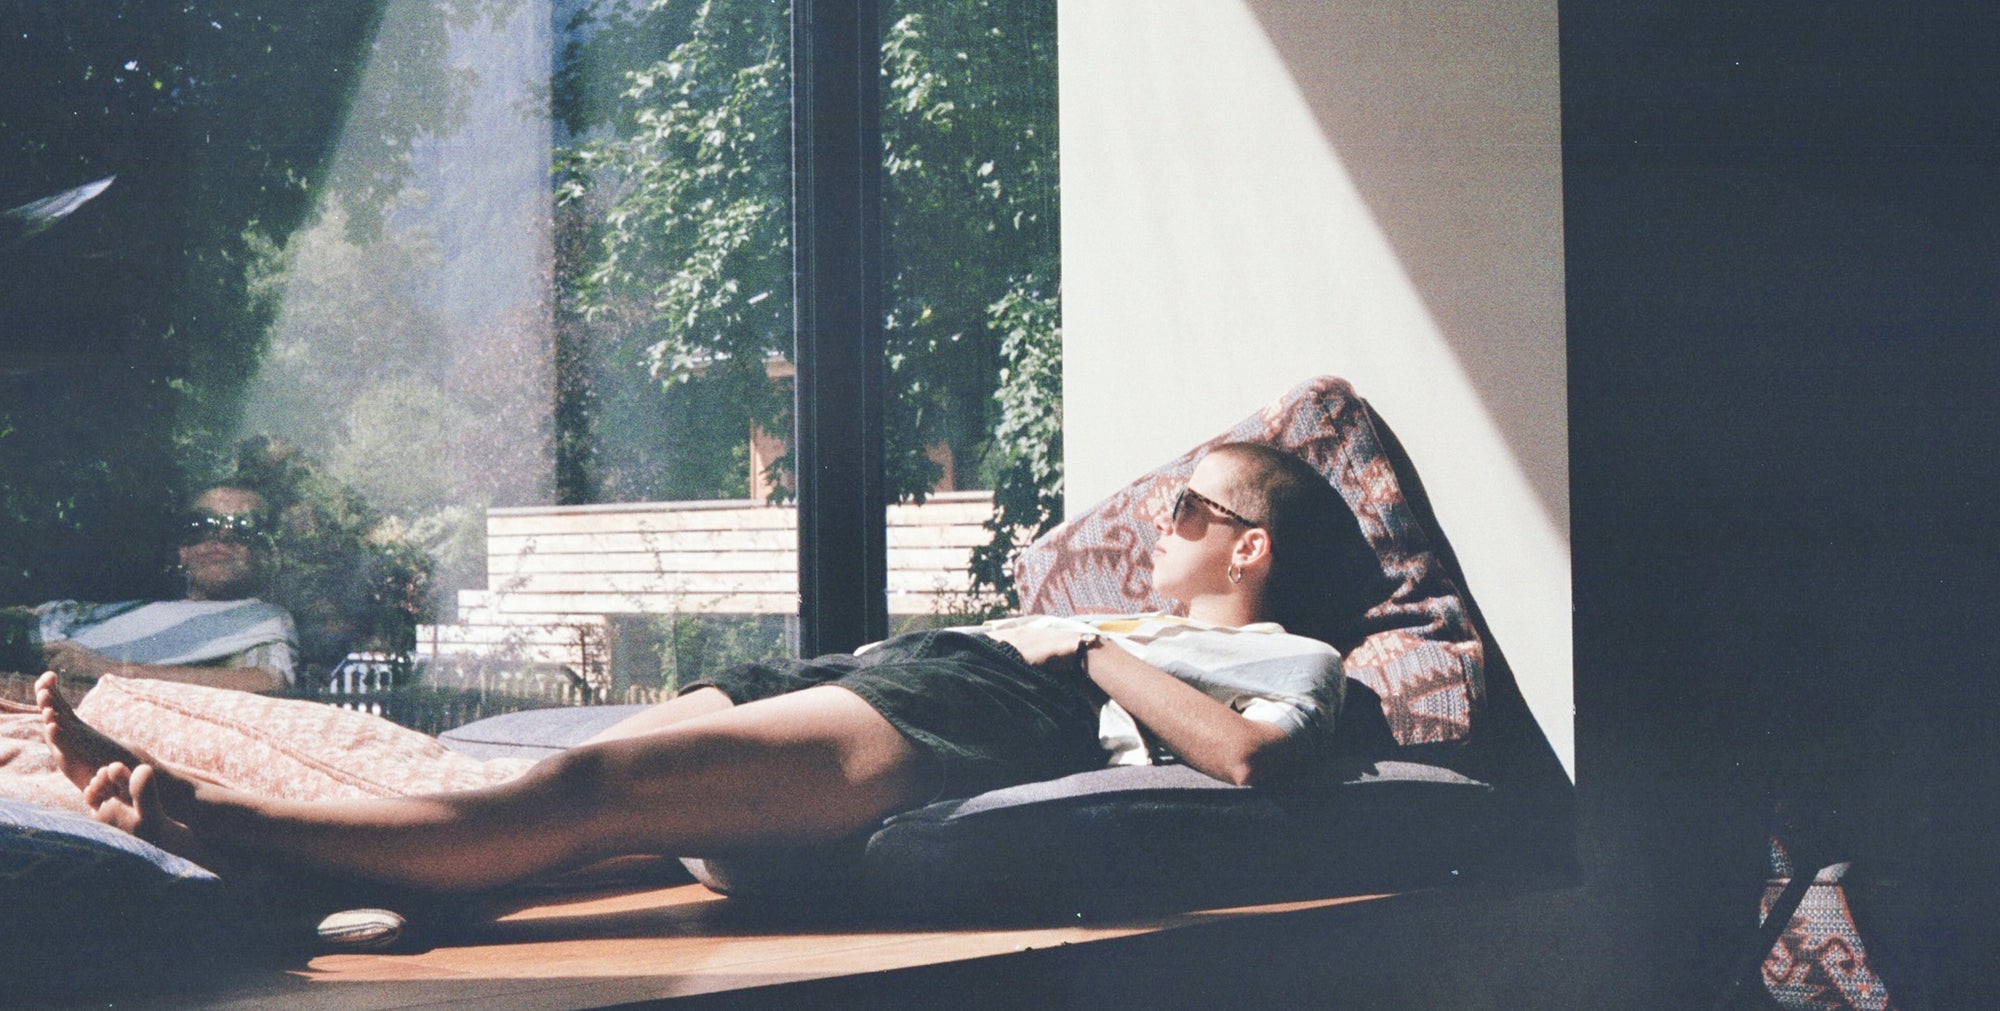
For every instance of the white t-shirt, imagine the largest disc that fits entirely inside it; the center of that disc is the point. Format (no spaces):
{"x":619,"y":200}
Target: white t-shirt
{"x":1259,"y":670}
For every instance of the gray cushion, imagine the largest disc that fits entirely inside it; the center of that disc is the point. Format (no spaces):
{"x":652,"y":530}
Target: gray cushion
{"x":1098,"y":843}
{"x":42,"y":847}
{"x":1115,"y":841}
{"x":534,"y":733}
{"x":85,"y":879}
{"x":89,"y":885}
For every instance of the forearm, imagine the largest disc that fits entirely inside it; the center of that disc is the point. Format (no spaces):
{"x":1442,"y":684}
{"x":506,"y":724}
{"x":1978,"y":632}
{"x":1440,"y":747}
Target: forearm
{"x":244,"y":679}
{"x":1201,"y":731}
{"x":79,"y":663}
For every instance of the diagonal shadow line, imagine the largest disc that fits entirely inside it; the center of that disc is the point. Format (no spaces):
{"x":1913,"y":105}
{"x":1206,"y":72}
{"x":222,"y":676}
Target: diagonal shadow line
{"x":1450,"y":158}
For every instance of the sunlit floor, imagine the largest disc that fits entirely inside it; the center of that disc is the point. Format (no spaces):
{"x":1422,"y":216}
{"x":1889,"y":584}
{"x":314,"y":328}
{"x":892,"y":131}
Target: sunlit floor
{"x":637,"y":946}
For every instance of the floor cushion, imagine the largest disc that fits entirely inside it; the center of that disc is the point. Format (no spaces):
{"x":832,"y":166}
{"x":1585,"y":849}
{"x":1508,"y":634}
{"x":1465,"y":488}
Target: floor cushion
{"x":1449,"y":773}
{"x":1135,"y":839}
{"x":1103,"y":843}
{"x":81,"y":878}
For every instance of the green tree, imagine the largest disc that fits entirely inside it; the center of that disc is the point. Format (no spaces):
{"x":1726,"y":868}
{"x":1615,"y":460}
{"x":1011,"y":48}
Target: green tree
{"x":129,"y":328}
{"x":974,"y":250}
{"x":674,"y":236}
{"x":678,"y":249}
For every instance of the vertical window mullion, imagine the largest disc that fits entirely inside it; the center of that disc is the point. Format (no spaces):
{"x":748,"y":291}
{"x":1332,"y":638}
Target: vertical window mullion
{"x":837,"y":329}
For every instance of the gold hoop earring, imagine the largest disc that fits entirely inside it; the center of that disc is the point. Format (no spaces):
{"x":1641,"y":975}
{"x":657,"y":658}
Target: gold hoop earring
{"x":1235,"y":573}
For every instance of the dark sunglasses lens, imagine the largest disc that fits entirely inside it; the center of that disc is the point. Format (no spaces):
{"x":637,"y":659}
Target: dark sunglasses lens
{"x":1183,"y":508}
{"x":210,"y":527}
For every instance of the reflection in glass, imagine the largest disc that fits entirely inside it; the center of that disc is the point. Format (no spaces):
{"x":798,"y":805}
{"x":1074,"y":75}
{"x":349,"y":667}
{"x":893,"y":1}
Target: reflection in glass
{"x":974,"y":339}
{"x":399,"y":303}
{"x":491,"y":301}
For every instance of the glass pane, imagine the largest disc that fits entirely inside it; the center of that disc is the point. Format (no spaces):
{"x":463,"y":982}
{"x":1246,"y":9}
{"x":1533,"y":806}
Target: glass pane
{"x":973,"y":270}
{"x":484,"y":297}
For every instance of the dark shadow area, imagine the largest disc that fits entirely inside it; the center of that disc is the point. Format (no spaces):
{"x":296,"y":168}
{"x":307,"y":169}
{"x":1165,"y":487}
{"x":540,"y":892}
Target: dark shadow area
{"x":1782,"y":301}
{"x":1361,"y":956}
{"x":1385,"y":84}
{"x":1507,"y":746}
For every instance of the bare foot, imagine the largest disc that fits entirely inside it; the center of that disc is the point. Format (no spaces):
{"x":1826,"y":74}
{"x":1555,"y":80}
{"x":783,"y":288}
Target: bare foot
{"x":111,"y":800}
{"x":129,"y":799}
{"x":80,"y":749}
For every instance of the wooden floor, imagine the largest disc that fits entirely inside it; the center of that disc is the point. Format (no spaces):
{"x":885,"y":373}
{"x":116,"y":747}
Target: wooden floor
{"x":616,"y":948}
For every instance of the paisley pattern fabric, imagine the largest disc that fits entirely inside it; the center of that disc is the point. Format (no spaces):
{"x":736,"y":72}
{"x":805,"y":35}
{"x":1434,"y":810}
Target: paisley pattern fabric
{"x":287,"y":748}
{"x":1819,"y":962}
{"x":1421,"y":653}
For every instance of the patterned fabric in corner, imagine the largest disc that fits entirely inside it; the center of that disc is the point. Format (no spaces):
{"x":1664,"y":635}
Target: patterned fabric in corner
{"x":1421,"y":654}
{"x":1819,"y":962}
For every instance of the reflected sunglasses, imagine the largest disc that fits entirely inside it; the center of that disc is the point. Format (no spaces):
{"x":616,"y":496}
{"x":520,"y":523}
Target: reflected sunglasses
{"x":239,"y":528}
{"x":1183,"y":506}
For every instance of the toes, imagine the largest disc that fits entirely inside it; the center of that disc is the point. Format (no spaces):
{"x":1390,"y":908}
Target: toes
{"x":45,"y":689}
{"x":139,"y":786}
{"x":51,"y":701}
{"x":109,"y":783}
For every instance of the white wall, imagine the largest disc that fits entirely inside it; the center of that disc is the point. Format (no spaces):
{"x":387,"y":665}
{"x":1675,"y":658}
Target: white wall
{"x":1259,"y":191}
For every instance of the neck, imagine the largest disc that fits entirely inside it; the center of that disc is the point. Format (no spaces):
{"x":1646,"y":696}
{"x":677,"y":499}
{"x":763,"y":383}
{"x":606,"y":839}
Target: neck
{"x":1242,"y":608}
{"x":213,"y":593}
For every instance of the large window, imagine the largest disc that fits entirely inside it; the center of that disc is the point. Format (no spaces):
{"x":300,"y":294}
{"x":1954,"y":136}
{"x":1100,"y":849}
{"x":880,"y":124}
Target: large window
{"x":493,"y":301}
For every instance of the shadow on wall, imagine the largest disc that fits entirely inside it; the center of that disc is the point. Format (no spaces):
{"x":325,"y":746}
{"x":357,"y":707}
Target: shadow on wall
{"x":1425,"y":103}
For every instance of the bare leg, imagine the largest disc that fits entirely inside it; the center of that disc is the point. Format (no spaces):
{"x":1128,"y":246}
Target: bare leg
{"x":129,"y":799}
{"x":700,"y":702}
{"x":812,"y":766}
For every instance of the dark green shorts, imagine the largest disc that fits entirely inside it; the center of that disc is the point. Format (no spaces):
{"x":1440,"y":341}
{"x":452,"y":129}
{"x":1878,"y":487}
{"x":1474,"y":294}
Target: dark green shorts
{"x":984,"y":718}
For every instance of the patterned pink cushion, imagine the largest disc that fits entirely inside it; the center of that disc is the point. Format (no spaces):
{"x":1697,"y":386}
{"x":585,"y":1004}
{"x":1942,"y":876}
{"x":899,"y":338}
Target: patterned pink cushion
{"x":1421,"y":654}
{"x":287,"y":748}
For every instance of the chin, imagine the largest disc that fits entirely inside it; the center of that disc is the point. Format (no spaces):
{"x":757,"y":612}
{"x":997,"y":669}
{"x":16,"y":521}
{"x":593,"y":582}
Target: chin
{"x":230,"y":587}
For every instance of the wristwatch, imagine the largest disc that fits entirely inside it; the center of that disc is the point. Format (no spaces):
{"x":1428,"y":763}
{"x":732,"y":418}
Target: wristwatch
{"x":1084,"y":644}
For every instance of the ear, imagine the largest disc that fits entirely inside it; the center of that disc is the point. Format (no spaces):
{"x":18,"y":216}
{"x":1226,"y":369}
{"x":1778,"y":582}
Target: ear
{"x":1253,"y":547}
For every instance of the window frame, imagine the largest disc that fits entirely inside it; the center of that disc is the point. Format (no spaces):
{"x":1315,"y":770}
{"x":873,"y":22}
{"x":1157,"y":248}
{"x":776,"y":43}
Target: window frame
{"x":837,"y":262}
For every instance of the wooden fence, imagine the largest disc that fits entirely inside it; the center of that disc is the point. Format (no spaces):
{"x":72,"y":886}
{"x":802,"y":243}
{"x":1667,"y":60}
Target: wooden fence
{"x":559,"y":578}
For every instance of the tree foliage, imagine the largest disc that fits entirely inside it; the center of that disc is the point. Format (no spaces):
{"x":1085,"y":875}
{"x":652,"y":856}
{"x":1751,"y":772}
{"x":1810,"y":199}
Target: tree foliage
{"x":680,"y":248}
{"x":261,"y":219}
{"x":674,"y":236}
{"x":129,"y":329}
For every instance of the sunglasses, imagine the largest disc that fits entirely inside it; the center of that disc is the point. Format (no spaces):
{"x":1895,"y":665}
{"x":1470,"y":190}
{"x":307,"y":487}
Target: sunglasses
{"x":1183,"y":507}
{"x":239,"y":528}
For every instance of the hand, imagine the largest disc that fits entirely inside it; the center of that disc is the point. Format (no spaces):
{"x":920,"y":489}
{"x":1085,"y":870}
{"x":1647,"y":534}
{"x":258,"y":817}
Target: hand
{"x":1041,"y":647}
{"x":78,"y":662}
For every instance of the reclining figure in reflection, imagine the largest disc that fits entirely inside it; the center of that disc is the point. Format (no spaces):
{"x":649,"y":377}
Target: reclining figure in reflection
{"x":791,"y":752}
{"x":220,"y":635}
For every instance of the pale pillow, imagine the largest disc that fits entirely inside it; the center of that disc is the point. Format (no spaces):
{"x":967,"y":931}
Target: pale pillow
{"x":287,"y":748}
{"x":28,"y":768}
